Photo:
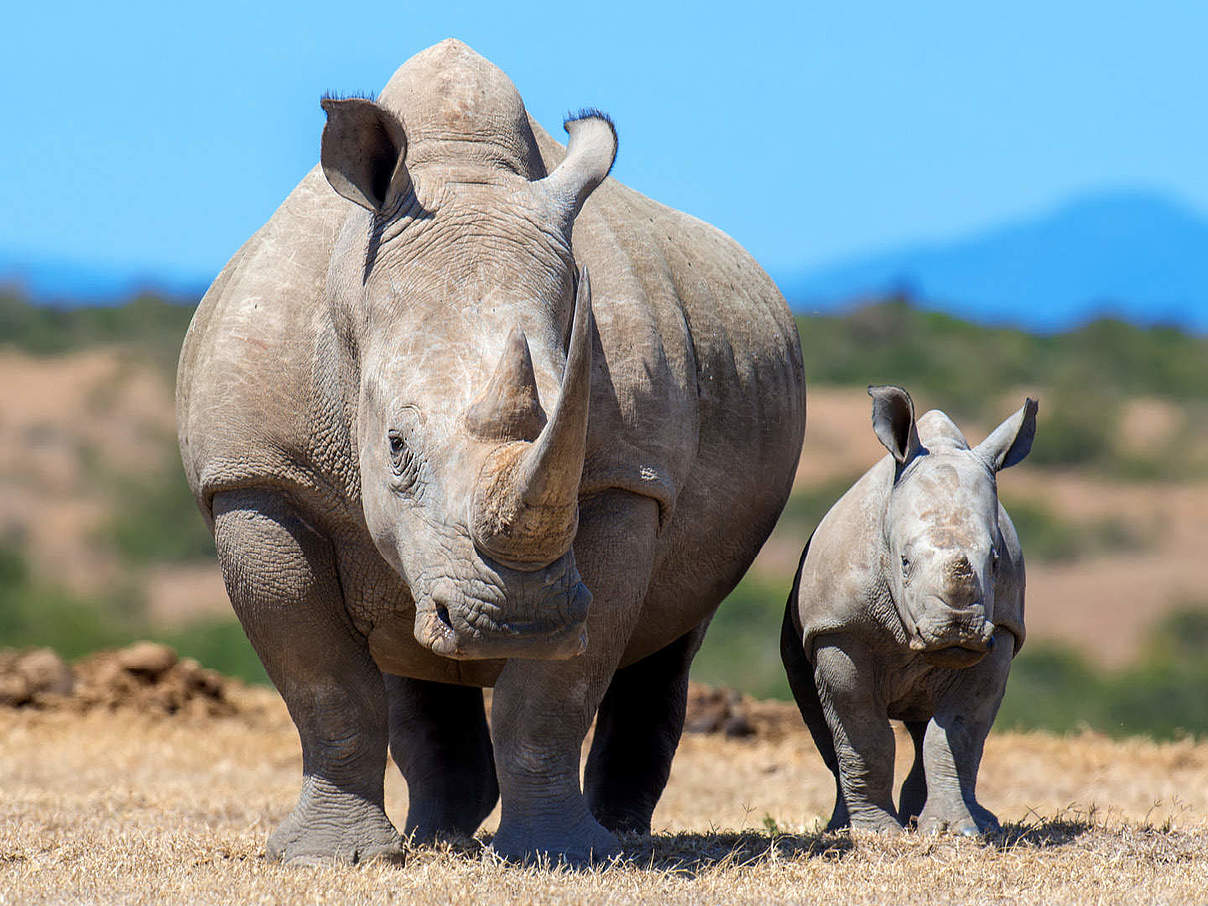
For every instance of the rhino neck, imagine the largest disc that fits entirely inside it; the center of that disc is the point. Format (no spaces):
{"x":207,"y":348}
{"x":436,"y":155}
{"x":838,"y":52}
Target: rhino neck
{"x":459,"y":108}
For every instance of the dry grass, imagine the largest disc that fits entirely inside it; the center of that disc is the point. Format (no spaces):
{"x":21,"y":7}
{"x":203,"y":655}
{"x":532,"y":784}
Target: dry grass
{"x":124,"y":807}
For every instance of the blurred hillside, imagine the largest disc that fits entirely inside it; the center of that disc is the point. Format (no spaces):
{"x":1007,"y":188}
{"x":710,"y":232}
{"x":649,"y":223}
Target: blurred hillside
{"x":100,"y":541}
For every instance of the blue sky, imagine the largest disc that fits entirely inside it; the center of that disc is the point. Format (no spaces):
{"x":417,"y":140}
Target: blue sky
{"x":159,"y":136}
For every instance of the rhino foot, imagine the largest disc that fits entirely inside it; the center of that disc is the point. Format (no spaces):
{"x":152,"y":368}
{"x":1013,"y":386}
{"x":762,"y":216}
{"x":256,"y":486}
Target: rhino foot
{"x":329,"y":825}
{"x":966,"y":822}
{"x":885,"y":825}
{"x":586,"y":842}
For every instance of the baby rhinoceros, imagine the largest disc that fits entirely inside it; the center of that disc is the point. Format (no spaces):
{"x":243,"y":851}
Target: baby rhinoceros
{"x":908,"y":604}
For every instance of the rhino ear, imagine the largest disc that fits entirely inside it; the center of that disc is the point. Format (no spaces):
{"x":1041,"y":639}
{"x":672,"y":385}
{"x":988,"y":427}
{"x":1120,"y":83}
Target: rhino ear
{"x":1011,"y":441}
{"x":893,"y":421}
{"x":590,"y":153}
{"x":363,"y":151}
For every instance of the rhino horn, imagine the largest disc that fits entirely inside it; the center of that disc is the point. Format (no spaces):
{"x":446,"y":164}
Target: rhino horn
{"x":525,"y":511}
{"x":509,"y":408}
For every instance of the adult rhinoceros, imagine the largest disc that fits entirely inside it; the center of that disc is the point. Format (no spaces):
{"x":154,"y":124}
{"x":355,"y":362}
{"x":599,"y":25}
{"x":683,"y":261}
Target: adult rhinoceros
{"x":436,"y":458}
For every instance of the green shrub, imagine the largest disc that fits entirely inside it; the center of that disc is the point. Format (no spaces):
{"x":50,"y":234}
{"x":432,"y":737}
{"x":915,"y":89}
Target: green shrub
{"x":1047,"y":538}
{"x":219,"y":644}
{"x":1161,"y":695}
{"x":34,"y":613}
{"x":742,"y":647}
{"x":156,"y":520}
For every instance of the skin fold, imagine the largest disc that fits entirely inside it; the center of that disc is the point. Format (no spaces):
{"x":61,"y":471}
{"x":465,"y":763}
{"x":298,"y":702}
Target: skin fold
{"x":466,"y":412}
{"x":908,"y":604}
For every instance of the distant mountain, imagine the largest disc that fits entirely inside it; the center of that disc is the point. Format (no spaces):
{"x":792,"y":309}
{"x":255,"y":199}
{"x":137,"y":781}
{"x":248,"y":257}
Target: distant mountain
{"x":1135,"y":255}
{"x":73,"y":283}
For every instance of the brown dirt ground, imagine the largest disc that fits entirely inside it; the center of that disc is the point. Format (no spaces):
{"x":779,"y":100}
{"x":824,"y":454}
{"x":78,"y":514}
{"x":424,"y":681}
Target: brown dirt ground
{"x":124,"y":806}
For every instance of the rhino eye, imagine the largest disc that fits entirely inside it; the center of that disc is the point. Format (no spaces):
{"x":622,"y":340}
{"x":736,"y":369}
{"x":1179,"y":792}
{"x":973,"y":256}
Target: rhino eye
{"x":400,"y":456}
{"x":905,"y":567}
{"x":994,"y":558}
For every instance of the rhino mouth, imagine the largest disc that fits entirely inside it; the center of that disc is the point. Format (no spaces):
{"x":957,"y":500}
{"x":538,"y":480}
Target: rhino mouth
{"x":956,"y":657}
{"x":542,"y":617}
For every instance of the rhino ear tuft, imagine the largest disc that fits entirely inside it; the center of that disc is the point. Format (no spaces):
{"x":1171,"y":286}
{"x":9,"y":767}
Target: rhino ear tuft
{"x":590,"y":153}
{"x":893,"y":421}
{"x":363,"y":152}
{"x":1011,"y":441}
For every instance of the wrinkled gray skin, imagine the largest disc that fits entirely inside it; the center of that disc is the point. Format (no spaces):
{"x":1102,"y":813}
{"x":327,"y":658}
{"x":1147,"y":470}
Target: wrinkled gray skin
{"x":438,"y":456}
{"x":908,"y":604}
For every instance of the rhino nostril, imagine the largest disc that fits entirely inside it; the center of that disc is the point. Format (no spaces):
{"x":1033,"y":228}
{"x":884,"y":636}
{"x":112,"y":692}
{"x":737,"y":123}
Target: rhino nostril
{"x":442,"y":614}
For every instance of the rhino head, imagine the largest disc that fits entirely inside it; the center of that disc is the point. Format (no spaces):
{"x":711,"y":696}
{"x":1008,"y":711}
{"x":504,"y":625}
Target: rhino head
{"x":942,"y":539}
{"x":459,"y":301}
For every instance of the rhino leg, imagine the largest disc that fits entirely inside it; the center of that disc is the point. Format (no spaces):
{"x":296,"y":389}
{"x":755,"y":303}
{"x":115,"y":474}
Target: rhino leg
{"x":805,"y":692}
{"x":845,"y":672}
{"x":637,"y":731}
{"x":541,"y":710}
{"x":914,"y":788}
{"x":439,"y":740}
{"x":952,"y":749}
{"x":281,"y":578}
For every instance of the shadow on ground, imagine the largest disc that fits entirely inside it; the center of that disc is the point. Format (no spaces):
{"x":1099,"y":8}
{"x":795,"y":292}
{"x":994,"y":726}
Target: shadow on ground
{"x":693,"y":854}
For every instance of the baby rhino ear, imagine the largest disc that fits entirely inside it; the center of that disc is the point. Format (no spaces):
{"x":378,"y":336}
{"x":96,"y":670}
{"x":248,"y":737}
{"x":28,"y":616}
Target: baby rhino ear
{"x":1011,"y":441}
{"x":893,"y":422}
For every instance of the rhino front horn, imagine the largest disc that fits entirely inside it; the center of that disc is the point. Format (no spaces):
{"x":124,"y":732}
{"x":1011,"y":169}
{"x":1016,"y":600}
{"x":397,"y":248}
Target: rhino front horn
{"x":525,"y":511}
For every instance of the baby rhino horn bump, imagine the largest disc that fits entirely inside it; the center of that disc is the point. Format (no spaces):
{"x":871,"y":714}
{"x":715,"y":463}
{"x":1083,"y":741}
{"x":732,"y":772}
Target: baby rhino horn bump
{"x":509,"y":408}
{"x":526,"y":503}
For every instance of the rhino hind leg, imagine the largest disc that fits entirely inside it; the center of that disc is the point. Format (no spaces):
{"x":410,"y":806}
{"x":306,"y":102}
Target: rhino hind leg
{"x":638,"y":729}
{"x":281,"y":578}
{"x":440,"y":742}
{"x":914,"y":788}
{"x":800,"y":674}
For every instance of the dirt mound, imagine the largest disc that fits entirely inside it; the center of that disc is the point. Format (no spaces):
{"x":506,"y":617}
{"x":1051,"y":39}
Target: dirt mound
{"x":736,"y":716}
{"x":146,"y":677}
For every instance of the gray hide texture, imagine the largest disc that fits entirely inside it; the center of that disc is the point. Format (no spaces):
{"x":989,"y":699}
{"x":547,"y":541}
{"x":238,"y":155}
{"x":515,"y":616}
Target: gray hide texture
{"x":908,"y":604}
{"x":441,"y":448}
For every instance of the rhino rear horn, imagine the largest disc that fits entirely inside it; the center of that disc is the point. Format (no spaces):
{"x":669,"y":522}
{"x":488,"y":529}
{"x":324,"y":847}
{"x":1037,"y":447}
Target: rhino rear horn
{"x":363,"y":152}
{"x":590,"y":152}
{"x":509,"y":408}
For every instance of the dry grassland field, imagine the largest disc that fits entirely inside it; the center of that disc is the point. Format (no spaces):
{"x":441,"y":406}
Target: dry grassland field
{"x":113,"y":804}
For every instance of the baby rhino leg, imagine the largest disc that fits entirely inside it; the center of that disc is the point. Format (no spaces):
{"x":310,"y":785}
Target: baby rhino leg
{"x":864,"y":744}
{"x":952,"y":748}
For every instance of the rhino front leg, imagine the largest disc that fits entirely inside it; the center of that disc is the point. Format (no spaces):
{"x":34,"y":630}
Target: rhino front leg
{"x":637,"y":732}
{"x":542,"y":709}
{"x":846,"y":674}
{"x":439,"y":740}
{"x":955,"y":738}
{"x":281,"y":578}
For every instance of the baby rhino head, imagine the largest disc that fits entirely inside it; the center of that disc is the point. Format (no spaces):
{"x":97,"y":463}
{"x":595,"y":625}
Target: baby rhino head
{"x":942,"y":537}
